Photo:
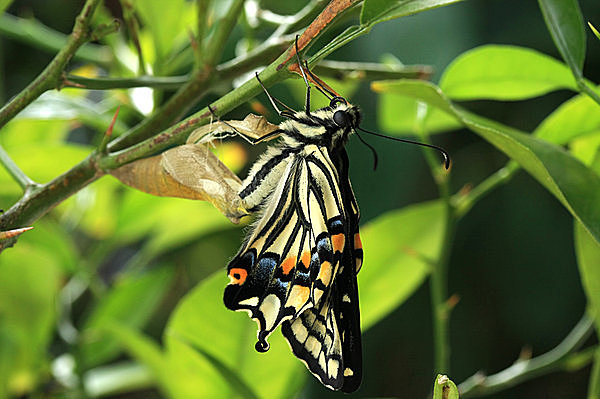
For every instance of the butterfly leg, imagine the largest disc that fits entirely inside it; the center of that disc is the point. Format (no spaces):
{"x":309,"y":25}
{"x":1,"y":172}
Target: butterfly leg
{"x":287,"y":112}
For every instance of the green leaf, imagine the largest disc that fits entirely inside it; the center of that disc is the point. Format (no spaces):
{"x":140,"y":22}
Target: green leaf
{"x":587,"y":150}
{"x":400,"y":114}
{"x":504,"y":73}
{"x":588,"y":260}
{"x":398,"y":243}
{"x":30,"y":279}
{"x":169,"y":222}
{"x":576,"y":117}
{"x":572,"y":183}
{"x":131,"y":302}
{"x":4,"y":5}
{"x":375,"y":11}
{"x":444,"y":388}
{"x":167,"y":21}
{"x":565,"y":23}
{"x":201,"y":320}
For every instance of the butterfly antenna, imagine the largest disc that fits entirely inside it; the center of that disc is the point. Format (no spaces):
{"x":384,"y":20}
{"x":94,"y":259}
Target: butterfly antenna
{"x":435,"y":147}
{"x":375,"y":158}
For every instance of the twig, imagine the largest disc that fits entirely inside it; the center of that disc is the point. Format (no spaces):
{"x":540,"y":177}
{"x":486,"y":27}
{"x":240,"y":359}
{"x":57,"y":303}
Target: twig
{"x":463,"y":203}
{"x":17,"y":174}
{"x":525,"y":369}
{"x":216,"y":44}
{"x":32,"y":32}
{"x":438,"y":280}
{"x":132,"y":27}
{"x":51,"y":76}
{"x":194,"y":89}
{"x":371,"y":70}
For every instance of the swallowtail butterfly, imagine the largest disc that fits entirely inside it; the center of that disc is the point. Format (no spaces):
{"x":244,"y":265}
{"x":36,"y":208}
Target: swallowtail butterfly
{"x":298,"y":265}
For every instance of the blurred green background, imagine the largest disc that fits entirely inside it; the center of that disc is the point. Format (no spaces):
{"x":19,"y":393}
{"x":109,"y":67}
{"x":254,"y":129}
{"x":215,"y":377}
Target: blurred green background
{"x":513,"y":264}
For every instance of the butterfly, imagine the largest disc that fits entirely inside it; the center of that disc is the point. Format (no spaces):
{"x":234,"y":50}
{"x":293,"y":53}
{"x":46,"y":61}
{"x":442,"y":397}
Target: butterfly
{"x":298,"y":265}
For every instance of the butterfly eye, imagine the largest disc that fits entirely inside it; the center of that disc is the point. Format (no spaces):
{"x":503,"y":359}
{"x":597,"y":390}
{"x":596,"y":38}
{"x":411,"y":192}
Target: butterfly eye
{"x":341,"y":118}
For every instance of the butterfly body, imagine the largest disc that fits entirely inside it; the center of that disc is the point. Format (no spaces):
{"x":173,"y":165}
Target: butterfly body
{"x":297,"y":267}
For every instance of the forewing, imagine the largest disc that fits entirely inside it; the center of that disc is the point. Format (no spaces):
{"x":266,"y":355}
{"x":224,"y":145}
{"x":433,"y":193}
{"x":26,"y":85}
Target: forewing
{"x":287,"y":263}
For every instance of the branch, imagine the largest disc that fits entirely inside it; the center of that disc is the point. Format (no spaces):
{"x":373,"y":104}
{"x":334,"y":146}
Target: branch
{"x":45,"y":197}
{"x":371,"y":70}
{"x":189,"y":94}
{"x":526,"y":369}
{"x":51,"y":76}
{"x":17,"y":174}
{"x":32,"y":32}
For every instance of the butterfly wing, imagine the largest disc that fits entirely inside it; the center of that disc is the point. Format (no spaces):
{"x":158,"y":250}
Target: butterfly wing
{"x":299,"y":267}
{"x":327,"y":337}
{"x":286,"y":264}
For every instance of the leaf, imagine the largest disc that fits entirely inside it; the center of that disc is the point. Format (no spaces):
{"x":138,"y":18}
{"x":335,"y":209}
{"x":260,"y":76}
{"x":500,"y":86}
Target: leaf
{"x":228,"y":338}
{"x":30,"y":280}
{"x":444,"y":388}
{"x":131,"y":302}
{"x":565,"y":23}
{"x":401,"y":114}
{"x":398,"y":243}
{"x":188,"y":171}
{"x":504,"y":73}
{"x":572,"y":183}
{"x":4,"y":5}
{"x":588,"y":260}
{"x":576,"y":117}
{"x":375,"y":11}
{"x":167,"y":22}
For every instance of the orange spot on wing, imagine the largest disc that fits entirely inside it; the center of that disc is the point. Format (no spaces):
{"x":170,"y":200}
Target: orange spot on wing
{"x":357,"y":242}
{"x":337,"y":241}
{"x":325,"y":273}
{"x":288,"y":264}
{"x":237,"y":276}
{"x":305,"y":258}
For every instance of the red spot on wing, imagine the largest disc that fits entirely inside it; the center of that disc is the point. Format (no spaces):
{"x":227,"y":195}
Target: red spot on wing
{"x":337,"y":242}
{"x":288,"y":264}
{"x":238,"y":275}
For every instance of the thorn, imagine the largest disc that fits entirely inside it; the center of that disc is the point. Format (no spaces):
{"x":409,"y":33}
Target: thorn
{"x":13,"y":233}
{"x":108,"y":134}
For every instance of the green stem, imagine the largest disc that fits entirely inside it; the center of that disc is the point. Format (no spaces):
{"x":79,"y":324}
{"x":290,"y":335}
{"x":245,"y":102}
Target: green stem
{"x":438,"y":280}
{"x":32,"y":32}
{"x":178,"y":133}
{"x":463,"y":203}
{"x":51,"y":76}
{"x":526,"y":369}
{"x":216,"y":43}
{"x":201,"y":27}
{"x":157,"y":82}
{"x":189,"y":94}
{"x":16,"y":173}
{"x":132,"y":27}
{"x":371,"y":70}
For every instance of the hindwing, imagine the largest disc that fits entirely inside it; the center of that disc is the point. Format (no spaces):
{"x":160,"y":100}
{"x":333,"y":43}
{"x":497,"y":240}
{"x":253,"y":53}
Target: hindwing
{"x":298,"y":267}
